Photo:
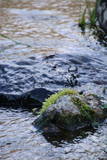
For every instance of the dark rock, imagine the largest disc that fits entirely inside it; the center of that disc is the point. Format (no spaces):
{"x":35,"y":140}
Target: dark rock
{"x":35,"y":97}
{"x":102,"y":14}
{"x":9,"y":100}
{"x":27,"y":100}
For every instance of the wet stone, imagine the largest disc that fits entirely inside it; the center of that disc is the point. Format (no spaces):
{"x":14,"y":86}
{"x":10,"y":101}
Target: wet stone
{"x":102,"y":14}
{"x":29,"y":100}
{"x":71,"y":113}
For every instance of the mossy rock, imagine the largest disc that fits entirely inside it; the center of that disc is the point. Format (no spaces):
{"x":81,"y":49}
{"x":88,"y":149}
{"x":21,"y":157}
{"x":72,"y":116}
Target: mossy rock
{"x":53,"y":98}
{"x":70,"y":111}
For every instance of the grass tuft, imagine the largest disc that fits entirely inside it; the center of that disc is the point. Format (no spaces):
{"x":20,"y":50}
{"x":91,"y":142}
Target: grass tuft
{"x":91,"y":14}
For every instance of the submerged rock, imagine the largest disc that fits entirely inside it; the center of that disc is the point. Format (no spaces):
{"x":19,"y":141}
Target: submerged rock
{"x":68,"y":110}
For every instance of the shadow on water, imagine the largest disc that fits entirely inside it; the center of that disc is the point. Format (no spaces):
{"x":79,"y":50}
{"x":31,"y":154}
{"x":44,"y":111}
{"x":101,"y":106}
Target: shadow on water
{"x":63,"y":137}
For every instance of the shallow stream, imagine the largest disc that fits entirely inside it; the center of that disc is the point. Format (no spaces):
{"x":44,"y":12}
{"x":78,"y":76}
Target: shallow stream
{"x":41,"y":45}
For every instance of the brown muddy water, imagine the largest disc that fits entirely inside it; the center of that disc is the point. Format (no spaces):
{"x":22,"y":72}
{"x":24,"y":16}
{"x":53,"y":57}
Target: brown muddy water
{"x":41,"y":45}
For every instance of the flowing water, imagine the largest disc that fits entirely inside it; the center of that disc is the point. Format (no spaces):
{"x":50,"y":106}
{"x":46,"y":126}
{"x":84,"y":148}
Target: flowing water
{"x":41,"y":45}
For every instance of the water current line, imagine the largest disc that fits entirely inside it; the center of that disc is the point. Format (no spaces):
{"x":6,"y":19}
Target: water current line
{"x":16,"y":42}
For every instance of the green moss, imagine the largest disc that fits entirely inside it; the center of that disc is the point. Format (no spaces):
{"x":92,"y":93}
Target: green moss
{"x":53,"y":98}
{"x":84,"y":108}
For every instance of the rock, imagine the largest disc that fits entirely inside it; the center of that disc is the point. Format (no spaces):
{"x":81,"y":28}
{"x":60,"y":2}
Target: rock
{"x":9,"y":100}
{"x":36,"y":97}
{"x":27,"y":100}
{"x":71,"y":111}
{"x":102,"y":14}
